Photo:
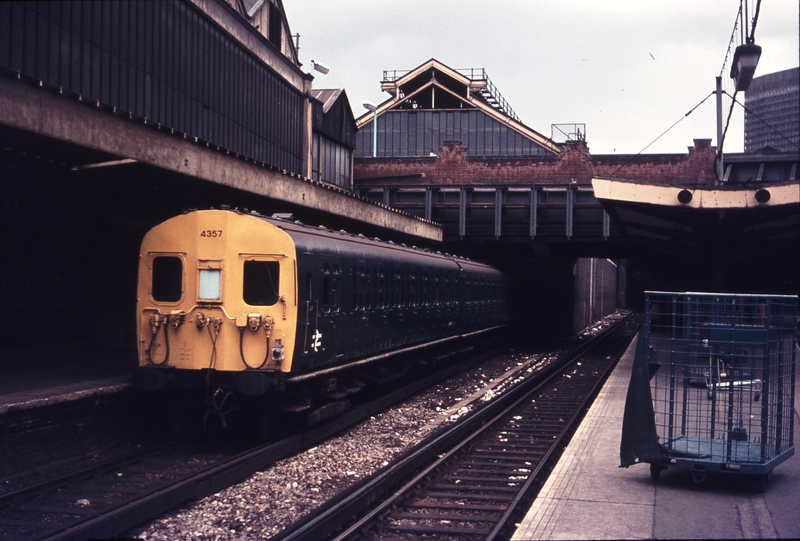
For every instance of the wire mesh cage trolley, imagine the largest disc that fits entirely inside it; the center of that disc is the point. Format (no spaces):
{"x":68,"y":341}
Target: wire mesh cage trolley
{"x":722,"y":381}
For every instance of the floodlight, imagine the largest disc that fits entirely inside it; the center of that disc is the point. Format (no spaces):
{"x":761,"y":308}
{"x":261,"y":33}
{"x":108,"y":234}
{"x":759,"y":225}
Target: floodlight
{"x":320,"y":67}
{"x":743,"y":67}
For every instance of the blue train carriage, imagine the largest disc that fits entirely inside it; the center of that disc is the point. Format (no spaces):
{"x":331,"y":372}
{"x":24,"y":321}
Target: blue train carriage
{"x":236,"y":302}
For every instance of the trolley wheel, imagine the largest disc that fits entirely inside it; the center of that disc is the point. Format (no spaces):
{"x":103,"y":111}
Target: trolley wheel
{"x":761,"y":482}
{"x":655,"y":472}
{"x":699,"y":477}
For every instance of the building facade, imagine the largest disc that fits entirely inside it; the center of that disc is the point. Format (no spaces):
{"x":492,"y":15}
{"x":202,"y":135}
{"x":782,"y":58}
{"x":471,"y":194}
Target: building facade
{"x":772,"y":114}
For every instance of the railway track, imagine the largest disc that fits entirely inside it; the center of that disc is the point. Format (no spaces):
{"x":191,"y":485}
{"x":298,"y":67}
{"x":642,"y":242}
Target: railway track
{"x":109,"y":496}
{"x":471,"y":481}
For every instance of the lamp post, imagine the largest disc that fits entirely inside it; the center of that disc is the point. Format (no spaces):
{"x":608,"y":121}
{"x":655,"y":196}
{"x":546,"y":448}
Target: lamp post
{"x":720,"y":166}
{"x":367,"y":105}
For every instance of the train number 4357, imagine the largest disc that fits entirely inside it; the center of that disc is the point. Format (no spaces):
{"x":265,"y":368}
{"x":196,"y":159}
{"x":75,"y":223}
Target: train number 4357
{"x":211,"y":233}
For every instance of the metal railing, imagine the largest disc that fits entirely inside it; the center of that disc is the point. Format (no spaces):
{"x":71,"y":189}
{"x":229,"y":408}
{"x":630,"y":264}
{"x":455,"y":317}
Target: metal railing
{"x":568,"y":132}
{"x":491,"y":94}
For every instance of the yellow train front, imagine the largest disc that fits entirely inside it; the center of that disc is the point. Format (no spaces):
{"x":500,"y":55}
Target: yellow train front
{"x":239,"y":303}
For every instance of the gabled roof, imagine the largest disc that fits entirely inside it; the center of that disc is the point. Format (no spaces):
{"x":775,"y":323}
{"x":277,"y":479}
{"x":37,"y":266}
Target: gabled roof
{"x":333,"y":116}
{"x":327,"y":97}
{"x":434,"y":85}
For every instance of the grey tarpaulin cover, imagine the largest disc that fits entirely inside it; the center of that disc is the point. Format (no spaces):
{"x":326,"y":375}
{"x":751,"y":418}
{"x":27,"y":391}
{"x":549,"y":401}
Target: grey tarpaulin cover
{"x":639,"y":438}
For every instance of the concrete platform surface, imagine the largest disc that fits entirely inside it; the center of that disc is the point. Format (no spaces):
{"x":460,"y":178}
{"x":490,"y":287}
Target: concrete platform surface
{"x":38,"y":376}
{"x":589,"y":497}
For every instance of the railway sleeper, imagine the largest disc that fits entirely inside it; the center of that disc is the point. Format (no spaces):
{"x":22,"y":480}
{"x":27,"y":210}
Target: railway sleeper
{"x":417,"y":529}
{"x":467,"y":489}
{"x":447,"y":516}
{"x":494,"y":461}
{"x":469,"y":479}
{"x":455,"y":506}
{"x":460,"y":496}
{"x":479,"y":467}
{"x":506,"y":454}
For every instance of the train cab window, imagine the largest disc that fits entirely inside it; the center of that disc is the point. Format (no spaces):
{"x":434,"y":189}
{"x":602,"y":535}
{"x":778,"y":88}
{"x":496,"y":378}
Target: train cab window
{"x":167,"y":285}
{"x":209,"y":285}
{"x":260,"y":283}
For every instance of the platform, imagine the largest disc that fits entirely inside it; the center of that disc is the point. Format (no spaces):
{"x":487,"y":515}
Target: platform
{"x":589,"y":497}
{"x":34,"y":377}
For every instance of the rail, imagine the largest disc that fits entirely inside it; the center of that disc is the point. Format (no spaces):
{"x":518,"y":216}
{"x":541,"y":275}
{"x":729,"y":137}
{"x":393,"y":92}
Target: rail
{"x":392,"y":487}
{"x":177,"y":479}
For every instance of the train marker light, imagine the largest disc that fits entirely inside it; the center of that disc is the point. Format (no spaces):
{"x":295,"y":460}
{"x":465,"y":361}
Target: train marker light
{"x":684,"y":196}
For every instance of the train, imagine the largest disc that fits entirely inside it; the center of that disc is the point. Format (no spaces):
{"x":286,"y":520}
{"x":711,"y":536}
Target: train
{"x":250,"y":307}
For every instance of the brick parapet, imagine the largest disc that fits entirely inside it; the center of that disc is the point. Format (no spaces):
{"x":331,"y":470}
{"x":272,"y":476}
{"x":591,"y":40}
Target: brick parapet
{"x":575,"y":165}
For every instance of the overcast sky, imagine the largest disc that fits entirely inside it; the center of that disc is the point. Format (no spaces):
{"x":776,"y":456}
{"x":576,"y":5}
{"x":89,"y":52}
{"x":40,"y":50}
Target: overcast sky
{"x":627,"y":69}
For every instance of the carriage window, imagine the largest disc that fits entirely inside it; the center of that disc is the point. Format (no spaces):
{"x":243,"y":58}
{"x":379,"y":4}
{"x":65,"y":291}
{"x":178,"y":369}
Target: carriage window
{"x":330,"y":293}
{"x":397,"y":290}
{"x":167,"y":283}
{"x":381,"y":292}
{"x":260,"y":283}
{"x":363,"y":289}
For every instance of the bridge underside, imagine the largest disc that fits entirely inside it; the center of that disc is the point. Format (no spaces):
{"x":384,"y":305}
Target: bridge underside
{"x":722,"y":240}
{"x":566,"y":218}
{"x":740,"y":238}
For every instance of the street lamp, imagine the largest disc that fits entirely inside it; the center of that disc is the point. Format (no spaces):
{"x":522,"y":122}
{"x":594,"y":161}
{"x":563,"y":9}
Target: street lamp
{"x":316,"y":66}
{"x":743,"y":67}
{"x":367,"y":105}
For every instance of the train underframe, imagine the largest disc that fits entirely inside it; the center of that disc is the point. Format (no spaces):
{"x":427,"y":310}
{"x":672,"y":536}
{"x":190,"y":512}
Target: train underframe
{"x":212,"y":399}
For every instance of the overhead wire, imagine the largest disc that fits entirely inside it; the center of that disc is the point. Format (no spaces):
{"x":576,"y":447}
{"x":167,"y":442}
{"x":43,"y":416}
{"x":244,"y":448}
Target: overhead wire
{"x":748,"y":38}
{"x":662,"y":134}
{"x":767,"y":124}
